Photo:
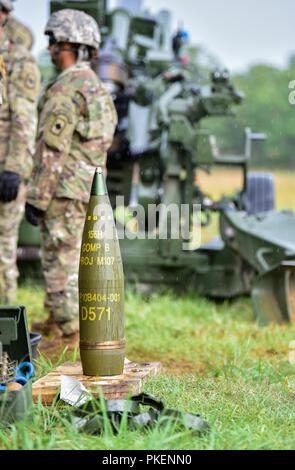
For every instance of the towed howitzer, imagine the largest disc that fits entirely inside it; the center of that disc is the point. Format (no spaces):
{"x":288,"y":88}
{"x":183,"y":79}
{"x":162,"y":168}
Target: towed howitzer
{"x":255,"y":253}
{"x":170,"y":147}
{"x":159,"y":148}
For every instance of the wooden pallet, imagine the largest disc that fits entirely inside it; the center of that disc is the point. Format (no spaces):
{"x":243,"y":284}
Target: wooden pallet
{"x":130,"y":383}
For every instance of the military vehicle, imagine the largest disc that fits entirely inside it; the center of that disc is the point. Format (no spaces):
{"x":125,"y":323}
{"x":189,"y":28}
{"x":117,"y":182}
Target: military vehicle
{"x":158,"y":151}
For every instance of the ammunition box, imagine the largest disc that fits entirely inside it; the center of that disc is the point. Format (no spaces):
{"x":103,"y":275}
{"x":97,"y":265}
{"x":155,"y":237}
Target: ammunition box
{"x":29,"y":235}
{"x":15,"y":339}
{"x":15,"y":406}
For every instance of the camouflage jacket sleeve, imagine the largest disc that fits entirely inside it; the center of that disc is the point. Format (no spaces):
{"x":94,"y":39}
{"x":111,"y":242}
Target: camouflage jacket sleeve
{"x":23,"y":91}
{"x":57,"y":124}
{"x":102,"y":119}
{"x":19,"y":34}
{"x":2,"y":79}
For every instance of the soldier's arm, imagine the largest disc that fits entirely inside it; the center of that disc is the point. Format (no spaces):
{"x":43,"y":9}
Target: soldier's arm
{"x":19,"y":33}
{"x":2,"y":79}
{"x":99,"y":124}
{"x":110,"y":119}
{"x":58,"y":122}
{"x":23,"y":91}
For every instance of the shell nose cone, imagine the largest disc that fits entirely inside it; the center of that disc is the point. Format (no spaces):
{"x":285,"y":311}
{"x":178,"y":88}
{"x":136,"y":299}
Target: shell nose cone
{"x":99,"y":187}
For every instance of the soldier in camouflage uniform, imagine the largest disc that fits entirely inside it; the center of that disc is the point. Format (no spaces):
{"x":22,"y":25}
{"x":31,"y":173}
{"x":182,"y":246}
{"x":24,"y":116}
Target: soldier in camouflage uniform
{"x":17,"y":32}
{"x":2,"y":79}
{"x":76,"y":128}
{"x":18,"y":122}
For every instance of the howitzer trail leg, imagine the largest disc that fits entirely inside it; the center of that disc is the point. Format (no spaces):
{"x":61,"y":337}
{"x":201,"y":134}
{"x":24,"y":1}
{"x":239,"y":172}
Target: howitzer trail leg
{"x":61,"y":233}
{"x":292,"y":294}
{"x":273,"y":295}
{"x":11,"y":215}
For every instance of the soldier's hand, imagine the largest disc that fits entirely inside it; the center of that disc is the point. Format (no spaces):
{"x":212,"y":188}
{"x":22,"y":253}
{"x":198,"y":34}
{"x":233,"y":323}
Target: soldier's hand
{"x":34,"y":215}
{"x":9,"y":186}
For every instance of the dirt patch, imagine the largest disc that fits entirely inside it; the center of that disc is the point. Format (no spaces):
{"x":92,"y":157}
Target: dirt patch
{"x":171,"y":365}
{"x":265,"y":354}
{"x":182,"y":367}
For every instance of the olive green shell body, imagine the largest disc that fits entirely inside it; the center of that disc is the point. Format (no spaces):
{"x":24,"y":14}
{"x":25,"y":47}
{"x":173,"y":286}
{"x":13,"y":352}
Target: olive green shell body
{"x":101,"y":289}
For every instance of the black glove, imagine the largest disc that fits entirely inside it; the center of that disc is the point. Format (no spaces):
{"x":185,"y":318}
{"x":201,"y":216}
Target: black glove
{"x":9,"y":186}
{"x":33,"y":215}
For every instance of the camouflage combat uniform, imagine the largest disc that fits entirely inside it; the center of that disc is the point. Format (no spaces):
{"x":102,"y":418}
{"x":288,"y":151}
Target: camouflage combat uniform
{"x":76,"y":127}
{"x":18,"y":122}
{"x":18,"y":33}
{"x":2,"y":79}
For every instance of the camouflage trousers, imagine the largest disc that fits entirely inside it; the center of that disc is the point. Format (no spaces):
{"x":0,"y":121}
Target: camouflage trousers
{"x":61,"y":235}
{"x":11,"y":215}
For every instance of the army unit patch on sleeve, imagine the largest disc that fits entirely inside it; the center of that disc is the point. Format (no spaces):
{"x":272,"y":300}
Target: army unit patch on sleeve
{"x":26,"y":80}
{"x":60,"y":118}
{"x":58,"y":131}
{"x":59,"y":125}
{"x":30,"y":82}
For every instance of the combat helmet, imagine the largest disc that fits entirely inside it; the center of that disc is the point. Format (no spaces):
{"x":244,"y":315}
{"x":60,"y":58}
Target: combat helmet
{"x":75,"y":27}
{"x":7,"y":4}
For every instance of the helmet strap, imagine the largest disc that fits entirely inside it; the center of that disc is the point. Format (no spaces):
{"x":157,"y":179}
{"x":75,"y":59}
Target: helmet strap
{"x":80,"y":51}
{"x":83,"y":54}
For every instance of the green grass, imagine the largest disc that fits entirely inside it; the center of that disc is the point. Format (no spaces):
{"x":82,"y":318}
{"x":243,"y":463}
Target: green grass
{"x":216,"y":361}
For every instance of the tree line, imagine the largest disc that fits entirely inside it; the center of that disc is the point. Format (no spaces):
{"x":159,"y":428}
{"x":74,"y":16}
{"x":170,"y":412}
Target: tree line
{"x":268,"y":107}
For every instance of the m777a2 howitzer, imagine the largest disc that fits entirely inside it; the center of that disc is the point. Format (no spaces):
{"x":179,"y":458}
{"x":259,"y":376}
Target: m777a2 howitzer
{"x":255,"y":251}
{"x":160,"y":148}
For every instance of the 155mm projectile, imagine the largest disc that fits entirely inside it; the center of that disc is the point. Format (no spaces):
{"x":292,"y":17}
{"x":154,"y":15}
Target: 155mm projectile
{"x":101,"y":288}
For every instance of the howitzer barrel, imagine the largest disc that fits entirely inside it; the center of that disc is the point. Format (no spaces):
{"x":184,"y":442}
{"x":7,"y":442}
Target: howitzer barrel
{"x":101,"y":288}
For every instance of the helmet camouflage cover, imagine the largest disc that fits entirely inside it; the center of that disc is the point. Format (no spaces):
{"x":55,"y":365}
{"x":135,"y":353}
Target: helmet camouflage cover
{"x":7,"y":4}
{"x":75,"y":27}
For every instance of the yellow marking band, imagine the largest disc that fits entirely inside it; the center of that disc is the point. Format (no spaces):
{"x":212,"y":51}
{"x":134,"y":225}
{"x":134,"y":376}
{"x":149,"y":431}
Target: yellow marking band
{"x":95,"y":313}
{"x":95,"y":297}
{"x":100,"y":261}
{"x":91,"y":247}
{"x":87,"y":260}
{"x":105,"y":261}
{"x":96,"y":235}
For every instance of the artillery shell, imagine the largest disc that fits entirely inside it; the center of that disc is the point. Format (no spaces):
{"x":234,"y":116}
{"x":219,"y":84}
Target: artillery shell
{"x":101,"y":288}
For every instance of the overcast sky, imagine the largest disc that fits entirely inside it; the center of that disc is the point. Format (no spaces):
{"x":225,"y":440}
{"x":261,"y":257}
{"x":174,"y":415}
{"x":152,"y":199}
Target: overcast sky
{"x":238,"y":32}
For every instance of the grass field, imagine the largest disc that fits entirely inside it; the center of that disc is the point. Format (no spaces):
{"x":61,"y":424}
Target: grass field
{"x":216,"y":362}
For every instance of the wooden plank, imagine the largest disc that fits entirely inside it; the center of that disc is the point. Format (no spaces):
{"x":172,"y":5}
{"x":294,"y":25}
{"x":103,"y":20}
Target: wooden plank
{"x":113,"y":388}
